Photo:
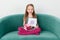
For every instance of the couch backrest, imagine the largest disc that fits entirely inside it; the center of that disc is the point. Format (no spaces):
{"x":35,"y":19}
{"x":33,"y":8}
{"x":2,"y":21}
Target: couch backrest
{"x":49,"y":23}
{"x":10,"y":23}
{"x":46,"y":22}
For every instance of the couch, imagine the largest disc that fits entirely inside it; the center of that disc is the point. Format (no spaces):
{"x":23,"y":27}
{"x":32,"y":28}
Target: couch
{"x":50,"y":26}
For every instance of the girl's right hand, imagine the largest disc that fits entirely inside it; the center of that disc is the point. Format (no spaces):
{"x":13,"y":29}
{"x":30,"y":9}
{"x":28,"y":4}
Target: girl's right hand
{"x":27,"y":25}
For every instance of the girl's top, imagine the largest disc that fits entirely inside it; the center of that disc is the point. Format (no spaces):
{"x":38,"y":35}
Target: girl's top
{"x":27,"y":22}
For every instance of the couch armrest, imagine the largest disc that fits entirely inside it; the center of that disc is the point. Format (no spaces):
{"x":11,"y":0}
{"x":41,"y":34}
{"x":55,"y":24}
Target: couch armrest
{"x":10,"y":23}
{"x":5,"y":28}
{"x":58,"y":28}
{"x":2,"y":30}
{"x":49,"y":23}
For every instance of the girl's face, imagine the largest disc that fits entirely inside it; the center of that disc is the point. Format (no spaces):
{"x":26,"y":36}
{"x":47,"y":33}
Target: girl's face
{"x":30,"y":9}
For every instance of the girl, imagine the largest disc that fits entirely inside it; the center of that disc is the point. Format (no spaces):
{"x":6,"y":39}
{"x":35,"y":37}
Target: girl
{"x":27,"y":29}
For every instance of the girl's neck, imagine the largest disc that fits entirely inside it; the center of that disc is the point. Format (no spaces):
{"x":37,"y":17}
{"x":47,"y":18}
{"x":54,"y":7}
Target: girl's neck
{"x":30,"y":15}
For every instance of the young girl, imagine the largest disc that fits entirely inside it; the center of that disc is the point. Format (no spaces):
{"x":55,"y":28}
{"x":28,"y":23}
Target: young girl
{"x":27,"y":29}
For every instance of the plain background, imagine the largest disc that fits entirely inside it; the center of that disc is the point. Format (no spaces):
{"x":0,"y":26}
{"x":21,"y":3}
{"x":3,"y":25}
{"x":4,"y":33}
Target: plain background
{"x":11,"y":7}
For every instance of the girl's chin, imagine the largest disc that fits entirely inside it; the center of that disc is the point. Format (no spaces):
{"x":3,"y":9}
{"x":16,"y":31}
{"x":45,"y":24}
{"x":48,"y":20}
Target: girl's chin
{"x":30,"y":12}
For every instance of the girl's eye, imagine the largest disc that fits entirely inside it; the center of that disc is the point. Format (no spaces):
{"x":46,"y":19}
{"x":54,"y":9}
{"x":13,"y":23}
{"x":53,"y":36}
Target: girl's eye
{"x":28,"y":9}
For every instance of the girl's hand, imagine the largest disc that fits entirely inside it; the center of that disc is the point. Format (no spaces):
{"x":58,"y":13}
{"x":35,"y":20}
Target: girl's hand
{"x":37,"y":26}
{"x":27,"y":25}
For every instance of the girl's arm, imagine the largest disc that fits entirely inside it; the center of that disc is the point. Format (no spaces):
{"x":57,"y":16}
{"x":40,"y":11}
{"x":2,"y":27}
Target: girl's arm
{"x":37,"y":25}
{"x":24,"y":25}
{"x":23,"y":22}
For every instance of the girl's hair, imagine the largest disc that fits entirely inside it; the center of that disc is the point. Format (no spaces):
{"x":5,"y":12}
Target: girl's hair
{"x":26,"y":13}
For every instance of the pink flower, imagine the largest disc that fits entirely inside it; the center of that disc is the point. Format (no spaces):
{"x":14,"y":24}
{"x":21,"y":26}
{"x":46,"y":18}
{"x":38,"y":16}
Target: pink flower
{"x":27,"y":26}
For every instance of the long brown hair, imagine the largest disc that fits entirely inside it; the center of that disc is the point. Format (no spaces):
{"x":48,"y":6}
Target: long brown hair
{"x":26,"y":13}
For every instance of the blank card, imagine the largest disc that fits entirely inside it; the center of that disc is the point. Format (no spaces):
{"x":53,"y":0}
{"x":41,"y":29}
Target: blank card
{"x":32,"y":21}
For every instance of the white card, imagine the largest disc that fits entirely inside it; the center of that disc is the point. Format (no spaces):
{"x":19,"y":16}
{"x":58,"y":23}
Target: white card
{"x":32,"y":21}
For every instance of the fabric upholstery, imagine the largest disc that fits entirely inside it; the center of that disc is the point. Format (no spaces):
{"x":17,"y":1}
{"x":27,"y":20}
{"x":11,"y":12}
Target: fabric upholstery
{"x":10,"y":24}
{"x":44,"y":35}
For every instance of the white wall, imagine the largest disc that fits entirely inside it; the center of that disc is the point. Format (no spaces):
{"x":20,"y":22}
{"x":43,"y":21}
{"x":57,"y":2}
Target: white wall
{"x":9,"y":7}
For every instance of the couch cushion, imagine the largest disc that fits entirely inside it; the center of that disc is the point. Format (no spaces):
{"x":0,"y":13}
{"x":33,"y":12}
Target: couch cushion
{"x":44,"y":35}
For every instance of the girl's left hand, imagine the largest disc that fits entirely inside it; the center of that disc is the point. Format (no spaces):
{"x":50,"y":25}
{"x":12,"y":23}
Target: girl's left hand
{"x":36,"y":26}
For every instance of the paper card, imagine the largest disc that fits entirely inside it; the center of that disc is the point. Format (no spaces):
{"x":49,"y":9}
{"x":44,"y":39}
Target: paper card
{"x":32,"y":21}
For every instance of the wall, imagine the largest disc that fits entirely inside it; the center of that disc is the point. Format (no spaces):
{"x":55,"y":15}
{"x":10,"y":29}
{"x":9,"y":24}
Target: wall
{"x":10,"y":7}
